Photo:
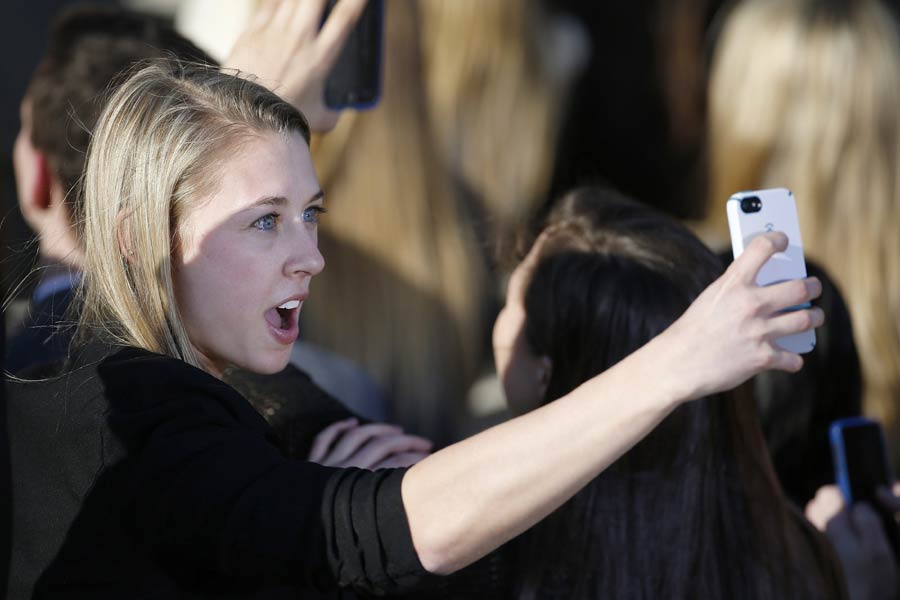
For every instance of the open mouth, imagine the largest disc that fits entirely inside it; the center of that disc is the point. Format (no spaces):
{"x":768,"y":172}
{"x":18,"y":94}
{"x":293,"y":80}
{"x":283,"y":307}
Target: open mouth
{"x":284,"y":316}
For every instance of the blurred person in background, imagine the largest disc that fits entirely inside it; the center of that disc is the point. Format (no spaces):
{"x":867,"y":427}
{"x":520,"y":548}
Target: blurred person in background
{"x":804,"y":94}
{"x":692,"y":511}
{"x":88,"y":48}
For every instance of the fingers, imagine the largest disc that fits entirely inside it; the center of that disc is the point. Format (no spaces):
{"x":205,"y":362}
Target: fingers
{"x":746,"y":267}
{"x":265,"y":11}
{"x":780,"y":296}
{"x":337,"y":27}
{"x":382,"y":448}
{"x":795,"y":321}
{"x":354,"y":439}
{"x":307,"y":16}
{"x":827,"y":503}
{"x":325,"y":439}
{"x":783,"y":360}
{"x":283,"y":12}
{"x":375,"y":445}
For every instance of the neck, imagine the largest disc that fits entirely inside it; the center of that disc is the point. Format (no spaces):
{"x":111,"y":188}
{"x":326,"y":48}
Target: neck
{"x":58,"y":241}
{"x":61,"y":250}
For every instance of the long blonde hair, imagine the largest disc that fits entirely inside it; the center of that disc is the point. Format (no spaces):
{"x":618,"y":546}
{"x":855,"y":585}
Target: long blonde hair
{"x":805,"y":94}
{"x":157,"y":148}
{"x":496,"y":101}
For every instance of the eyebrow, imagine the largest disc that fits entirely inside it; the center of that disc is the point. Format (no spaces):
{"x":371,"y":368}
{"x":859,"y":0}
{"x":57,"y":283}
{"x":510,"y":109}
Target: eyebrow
{"x":281,"y":201}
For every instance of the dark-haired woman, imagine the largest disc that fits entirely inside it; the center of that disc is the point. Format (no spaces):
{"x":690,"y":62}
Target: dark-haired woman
{"x":692,"y":511}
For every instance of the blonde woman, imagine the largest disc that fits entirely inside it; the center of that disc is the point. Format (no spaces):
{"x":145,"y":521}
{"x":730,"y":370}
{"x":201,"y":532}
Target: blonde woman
{"x":138,"y":472}
{"x":804,"y":94}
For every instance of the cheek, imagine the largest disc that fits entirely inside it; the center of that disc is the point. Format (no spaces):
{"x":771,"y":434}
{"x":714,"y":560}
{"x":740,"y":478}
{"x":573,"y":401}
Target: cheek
{"x":20,"y":150}
{"x":208,"y":274}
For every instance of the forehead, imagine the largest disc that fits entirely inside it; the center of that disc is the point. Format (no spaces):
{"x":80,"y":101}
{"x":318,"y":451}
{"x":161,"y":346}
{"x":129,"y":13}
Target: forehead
{"x":262,"y":165}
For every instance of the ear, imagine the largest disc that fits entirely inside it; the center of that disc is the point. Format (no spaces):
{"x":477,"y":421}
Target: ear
{"x":126,"y":248}
{"x":544,"y":373}
{"x":38,"y":198}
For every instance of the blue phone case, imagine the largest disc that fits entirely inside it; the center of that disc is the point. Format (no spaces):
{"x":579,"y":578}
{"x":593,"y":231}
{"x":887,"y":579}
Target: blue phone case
{"x":839,"y":453}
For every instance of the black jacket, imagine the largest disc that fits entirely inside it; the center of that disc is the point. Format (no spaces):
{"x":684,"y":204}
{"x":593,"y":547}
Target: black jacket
{"x":136,"y":475}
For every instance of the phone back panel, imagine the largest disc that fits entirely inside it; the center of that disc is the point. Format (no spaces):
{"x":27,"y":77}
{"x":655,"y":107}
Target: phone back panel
{"x":777,"y":213}
{"x":355,"y":78}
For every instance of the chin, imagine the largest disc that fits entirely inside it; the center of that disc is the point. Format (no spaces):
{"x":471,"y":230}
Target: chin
{"x":269,"y":365}
{"x":271,"y":368}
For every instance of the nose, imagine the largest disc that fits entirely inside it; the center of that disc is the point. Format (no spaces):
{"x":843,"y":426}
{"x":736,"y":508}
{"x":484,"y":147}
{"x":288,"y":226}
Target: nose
{"x":304,"y":257}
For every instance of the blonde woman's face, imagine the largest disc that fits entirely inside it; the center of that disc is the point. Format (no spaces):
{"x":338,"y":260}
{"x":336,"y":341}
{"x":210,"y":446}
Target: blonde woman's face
{"x":247,"y":254}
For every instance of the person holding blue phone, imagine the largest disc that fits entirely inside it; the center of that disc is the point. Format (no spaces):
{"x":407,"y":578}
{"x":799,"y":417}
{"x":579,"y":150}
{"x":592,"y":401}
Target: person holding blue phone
{"x":859,"y":513}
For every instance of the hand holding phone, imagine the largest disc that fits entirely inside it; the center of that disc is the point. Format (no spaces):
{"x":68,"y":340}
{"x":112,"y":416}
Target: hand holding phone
{"x":289,"y":49}
{"x":755,"y":212}
{"x":860,"y":458}
{"x":861,"y":467}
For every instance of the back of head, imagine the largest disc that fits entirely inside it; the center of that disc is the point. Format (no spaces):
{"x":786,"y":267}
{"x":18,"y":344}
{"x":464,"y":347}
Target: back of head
{"x":158,"y":147}
{"x":89,"y":46}
{"x":804,"y":94}
{"x":612,"y":272}
{"x":693,"y":511}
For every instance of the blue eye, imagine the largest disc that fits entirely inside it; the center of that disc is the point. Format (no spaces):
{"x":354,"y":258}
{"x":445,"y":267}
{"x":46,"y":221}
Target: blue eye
{"x":311,"y":214}
{"x":266,"y":222}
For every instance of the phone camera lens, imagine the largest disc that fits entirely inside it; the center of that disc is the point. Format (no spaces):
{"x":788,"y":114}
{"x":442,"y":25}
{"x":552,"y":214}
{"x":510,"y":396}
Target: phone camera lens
{"x":751,"y":204}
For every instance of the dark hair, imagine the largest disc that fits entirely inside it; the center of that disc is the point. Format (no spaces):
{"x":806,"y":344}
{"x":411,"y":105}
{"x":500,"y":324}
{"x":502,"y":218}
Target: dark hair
{"x":89,"y":46}
{"x":797,"y":409}
{"x":694,"y":510}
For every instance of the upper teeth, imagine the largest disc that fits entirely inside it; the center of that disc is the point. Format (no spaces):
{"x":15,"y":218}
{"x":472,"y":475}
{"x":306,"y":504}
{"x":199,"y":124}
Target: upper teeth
{"x":290,"y":305}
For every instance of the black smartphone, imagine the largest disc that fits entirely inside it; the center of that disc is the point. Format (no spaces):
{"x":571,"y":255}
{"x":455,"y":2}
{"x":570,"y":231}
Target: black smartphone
{"x":861,"y":466}
{"x":860,"y":458}
{"x":355,"y":79}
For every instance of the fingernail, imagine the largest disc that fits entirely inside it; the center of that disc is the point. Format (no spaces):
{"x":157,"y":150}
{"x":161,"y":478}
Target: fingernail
{"x":814,"y":286}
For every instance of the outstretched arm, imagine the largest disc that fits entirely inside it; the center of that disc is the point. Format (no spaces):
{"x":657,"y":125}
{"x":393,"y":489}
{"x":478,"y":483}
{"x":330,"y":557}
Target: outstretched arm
{"x":468,"y":499}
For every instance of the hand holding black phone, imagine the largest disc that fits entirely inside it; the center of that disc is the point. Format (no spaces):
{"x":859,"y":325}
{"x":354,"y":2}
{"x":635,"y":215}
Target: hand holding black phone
{"x":861,"y":467}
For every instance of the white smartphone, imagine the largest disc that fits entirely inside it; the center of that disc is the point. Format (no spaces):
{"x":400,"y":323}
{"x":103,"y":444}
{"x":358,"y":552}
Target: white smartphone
{"x":755,"y":212}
